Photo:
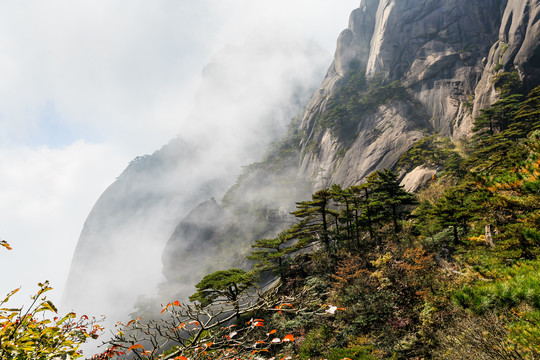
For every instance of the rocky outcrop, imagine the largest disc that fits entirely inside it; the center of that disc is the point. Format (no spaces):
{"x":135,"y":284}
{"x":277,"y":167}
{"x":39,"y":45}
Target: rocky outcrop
{"x":382,"y":137}
{"x":444,"y":52}
{"x":418,"y":177}
{"x":517,"y":48}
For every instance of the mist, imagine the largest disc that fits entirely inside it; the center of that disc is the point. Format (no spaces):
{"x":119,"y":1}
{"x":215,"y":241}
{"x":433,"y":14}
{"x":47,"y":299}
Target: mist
{"x":88,"y":87}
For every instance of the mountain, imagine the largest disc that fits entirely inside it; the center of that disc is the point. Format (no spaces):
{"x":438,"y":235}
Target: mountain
{"x":444,"y":54}
{"x":247,"y":96}
{"x":404,"y":69}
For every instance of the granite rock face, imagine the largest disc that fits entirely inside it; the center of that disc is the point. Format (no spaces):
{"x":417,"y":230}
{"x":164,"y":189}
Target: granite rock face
{"x":517,"y":48}
{"x":444,"y":52}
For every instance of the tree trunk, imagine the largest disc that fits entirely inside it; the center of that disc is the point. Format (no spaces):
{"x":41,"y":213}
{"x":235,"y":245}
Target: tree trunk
{"x":489,"y":237}
{"x":456,"y":237}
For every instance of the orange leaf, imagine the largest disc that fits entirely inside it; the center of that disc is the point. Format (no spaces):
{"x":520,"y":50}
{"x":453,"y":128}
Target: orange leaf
{"x":136,"y":346}
{"x":272,"y":332}
{"x":165,"y":308}
{"x":180,"y":358}
{"x":209,"y":344}
{"x":288,"y":338}
{"x":176,"y":303}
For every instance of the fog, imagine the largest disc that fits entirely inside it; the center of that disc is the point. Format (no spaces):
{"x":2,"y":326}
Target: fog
{"x":88,"y":86}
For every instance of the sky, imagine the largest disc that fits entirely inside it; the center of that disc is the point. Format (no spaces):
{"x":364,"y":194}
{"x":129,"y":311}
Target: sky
{"x":86,"y":86}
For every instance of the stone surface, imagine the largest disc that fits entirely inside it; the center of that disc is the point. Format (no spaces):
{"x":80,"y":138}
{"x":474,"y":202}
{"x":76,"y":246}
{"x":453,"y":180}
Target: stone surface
{"x":517,"y":48}
{"x":444,"y":52}
{"x":382,"y":138}
{"x":418,"y":177}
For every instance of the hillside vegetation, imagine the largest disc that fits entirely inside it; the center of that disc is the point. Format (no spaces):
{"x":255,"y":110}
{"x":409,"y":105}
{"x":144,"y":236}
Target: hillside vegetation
{"x":375,"y":272}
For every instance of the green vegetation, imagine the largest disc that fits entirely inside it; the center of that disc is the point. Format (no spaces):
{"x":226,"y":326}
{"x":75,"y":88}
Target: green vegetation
{"x":374,"y":272}
{"x":432,"y":151}
{"x":31,"y":333}
{"x":354,"y":98}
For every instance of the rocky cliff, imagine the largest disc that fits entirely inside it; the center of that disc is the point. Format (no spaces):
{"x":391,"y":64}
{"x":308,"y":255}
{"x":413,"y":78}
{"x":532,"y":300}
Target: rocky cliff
{"x":403,"y":69}
{"x":444,"y":53}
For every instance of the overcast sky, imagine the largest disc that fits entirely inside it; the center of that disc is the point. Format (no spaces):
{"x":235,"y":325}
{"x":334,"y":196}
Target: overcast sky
{"x":85,"y":86}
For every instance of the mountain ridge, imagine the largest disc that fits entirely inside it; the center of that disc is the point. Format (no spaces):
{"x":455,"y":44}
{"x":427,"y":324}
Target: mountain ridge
{"x":439,"y":79}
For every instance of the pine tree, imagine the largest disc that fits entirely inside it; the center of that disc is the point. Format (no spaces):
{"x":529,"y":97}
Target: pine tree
{"x":225,"y":285}
{"x":453,"y":210}
{"x":270,"y":254}
{"x":498,"y":117}
{"x":389,"y":196}
{"x":363,"y":211}
{"x":343,"y":199}
{"x":315,"y":218}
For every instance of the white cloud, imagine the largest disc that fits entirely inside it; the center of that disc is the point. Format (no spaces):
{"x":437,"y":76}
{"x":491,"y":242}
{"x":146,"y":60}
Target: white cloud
{"x":45,"y":196}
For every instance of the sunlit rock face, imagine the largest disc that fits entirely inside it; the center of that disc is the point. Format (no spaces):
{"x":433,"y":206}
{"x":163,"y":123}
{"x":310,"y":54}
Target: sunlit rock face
{"x":517,"y":48}
{"x":444,"y":52}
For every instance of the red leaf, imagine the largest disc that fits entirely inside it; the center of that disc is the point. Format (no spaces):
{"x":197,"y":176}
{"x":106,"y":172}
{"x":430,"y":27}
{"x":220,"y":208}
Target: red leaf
{"x":180,"y":358}
{"x":288,"y":338}
{"x":176,"y":303}
{"x":136,"y":346}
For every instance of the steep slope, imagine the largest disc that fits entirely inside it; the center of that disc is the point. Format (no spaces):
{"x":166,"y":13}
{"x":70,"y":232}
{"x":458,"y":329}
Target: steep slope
{"x":403,"y":69}
{"x":516,"y":49}
{"x":434,"y":49}
{"x":241,"y":107}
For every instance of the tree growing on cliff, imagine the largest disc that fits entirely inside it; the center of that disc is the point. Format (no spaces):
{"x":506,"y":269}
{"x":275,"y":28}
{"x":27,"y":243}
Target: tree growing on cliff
{"x":315,"y":215}
{"x":225,"y":285}
{"x":270,"y":254}
{"x":389,"y":197}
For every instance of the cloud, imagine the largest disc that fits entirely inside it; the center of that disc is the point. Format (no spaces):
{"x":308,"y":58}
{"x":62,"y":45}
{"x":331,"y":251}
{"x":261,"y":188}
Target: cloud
{"x":110,"y":68}
{"x":46,"y":195}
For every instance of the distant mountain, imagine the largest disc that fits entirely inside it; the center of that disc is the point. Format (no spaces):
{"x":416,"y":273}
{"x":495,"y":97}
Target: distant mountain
{"x":248,"y":95}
